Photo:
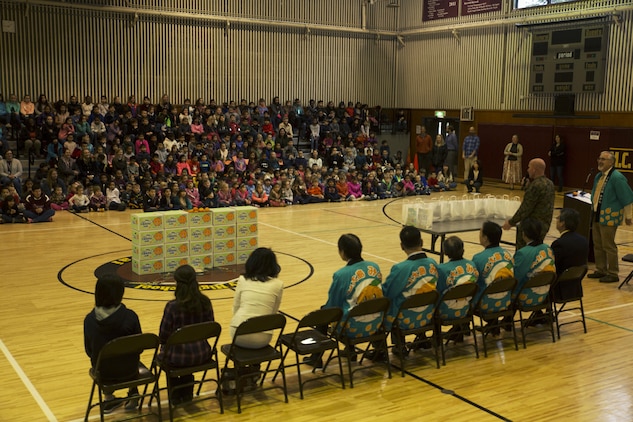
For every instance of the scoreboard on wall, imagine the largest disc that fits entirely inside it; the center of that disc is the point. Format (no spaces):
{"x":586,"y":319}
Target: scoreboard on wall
{"x":568,"y":61}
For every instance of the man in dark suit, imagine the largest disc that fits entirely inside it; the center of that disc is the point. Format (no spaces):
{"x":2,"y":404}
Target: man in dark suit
{"x":570,"y":250}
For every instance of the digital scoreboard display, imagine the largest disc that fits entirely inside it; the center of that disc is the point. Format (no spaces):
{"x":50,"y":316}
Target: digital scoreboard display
{"x":566,"y":61}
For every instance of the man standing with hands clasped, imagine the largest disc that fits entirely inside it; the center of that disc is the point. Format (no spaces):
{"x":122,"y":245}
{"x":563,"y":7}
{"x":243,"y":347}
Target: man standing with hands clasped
{"x":611,"y":198}
{"x":538,"y":202}
{"x":470,"y":150}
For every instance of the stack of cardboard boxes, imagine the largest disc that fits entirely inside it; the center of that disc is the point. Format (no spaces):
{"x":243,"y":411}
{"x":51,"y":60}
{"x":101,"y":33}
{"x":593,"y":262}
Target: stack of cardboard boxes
{"x":163,"y":241}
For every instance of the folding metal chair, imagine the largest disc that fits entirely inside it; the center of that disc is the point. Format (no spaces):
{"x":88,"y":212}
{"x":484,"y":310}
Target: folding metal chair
{"x":416,"y":316}
{"x":495,"y":302}
{"x":567,"y":289}
{"x":124,"y":348}
{"x":308,"y":340}
{"x":455,"y":309}
{"x":534,"y":296}
{"x":365,"y":324}
{"x":204,"y":331}
{"x":242,"y":357}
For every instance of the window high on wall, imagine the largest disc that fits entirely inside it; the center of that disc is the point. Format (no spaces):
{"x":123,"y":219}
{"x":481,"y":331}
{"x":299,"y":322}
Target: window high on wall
{"x":523,"y":4}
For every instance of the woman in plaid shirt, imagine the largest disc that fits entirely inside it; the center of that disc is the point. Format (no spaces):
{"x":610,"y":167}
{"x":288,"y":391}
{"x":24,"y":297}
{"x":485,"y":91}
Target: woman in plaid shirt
{"x":189,"y":307}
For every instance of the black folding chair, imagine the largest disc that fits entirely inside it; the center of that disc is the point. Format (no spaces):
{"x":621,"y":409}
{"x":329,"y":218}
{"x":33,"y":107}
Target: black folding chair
{"x":123,"y":348}
{"x":567,"y":289}
{"x":534,"y":296}
{"x":496,"y":302}
{"x":365,"y":324}
{"x":242,"y":357}
{"x":416,"y":316}
{"x":627,"y":258}
{"x":455,"y":309}
{"x":204,"y":331}
{"x":306,"y":340}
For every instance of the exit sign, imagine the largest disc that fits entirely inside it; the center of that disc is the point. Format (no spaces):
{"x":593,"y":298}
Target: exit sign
{"x":440,"y":114}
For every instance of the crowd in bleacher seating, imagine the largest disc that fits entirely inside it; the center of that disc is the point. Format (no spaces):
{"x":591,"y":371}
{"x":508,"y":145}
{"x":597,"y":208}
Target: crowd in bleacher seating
{"x":207,"y":155}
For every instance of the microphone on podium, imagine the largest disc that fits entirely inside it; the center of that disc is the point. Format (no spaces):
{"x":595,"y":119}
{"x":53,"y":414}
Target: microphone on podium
{"x":584,"y":187}
{"x":589,"y":175}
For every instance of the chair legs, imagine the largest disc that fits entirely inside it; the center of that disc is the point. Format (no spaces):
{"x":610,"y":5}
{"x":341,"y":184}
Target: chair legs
{"x":382,"y":347}
{"x":548,"y":314}
{"x":459,"y":330}
{"x":628,"y":277}
{"x":486,"y":329}
{"x":239,"y":378}
{"x":90,"y":406}
{"x":154,"y":394}
{"x":558,"y":311}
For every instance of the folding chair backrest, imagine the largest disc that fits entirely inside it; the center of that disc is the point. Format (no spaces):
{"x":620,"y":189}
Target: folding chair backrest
{"x":261,"y":323}
{"x":417,"y":310}
{"x":498,"y":295}
{"x":320,"y":317}
{"x":573,"y":273}
{"x":568,"y":286}
{"x":366,"y":318}
{"x":128,"y":345}
{"x":195,"y":332}
{"x":536,"y":290}
{"x":456,"y":302}
{"x":120,"y":357}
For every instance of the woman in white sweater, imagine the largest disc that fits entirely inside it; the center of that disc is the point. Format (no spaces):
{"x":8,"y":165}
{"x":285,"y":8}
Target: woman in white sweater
{"x":258,"y":292}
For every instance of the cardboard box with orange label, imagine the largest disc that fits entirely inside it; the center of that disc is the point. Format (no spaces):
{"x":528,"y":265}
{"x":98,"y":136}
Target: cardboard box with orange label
{"x":147,"y":221}
{"x":150,"y":266}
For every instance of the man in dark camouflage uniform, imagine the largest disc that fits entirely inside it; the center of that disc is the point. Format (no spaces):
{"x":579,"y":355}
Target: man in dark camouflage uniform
{"x":538,"y":201}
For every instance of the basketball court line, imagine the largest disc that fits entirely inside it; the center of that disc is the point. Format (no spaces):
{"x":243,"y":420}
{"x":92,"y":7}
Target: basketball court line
{"x":362,"y":218}
{"x":102,"y":226}
{"x":320,"y":240}
{"x":610,"y":324}
{"x":27,"y":383}
{"x":452,"y":393}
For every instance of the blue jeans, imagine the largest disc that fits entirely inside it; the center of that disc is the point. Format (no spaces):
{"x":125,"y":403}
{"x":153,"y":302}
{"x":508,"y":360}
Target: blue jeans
{"x":39,"y":218}
{"x":558,"y":172}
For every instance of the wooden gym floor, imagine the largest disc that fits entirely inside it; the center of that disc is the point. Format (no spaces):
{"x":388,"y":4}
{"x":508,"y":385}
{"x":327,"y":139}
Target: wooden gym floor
{"x":48,"y":271}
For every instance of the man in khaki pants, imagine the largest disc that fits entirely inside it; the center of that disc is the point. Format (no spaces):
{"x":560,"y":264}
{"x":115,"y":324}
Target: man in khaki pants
{"x":611,"y":197}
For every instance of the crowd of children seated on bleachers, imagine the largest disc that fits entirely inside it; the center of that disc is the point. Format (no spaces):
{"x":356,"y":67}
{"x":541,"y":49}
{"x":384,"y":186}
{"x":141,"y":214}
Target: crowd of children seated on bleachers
{"x":114,"y":155}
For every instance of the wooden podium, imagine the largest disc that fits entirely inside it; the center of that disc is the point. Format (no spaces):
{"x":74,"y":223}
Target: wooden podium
{"x":581,"y":202}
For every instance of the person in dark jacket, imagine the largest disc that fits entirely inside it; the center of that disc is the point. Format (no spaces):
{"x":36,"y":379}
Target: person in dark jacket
{"x":111,"y":319}
{"x":570,"y":250}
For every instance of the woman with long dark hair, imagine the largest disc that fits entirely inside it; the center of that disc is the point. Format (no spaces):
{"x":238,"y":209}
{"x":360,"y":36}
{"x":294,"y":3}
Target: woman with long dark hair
{"x":189,"y":307}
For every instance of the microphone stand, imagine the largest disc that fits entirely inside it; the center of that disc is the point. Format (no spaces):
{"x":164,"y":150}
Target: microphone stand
{"x":584,"y":186}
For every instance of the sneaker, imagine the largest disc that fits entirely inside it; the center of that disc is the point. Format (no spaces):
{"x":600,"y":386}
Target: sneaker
{"x":609,"y":279}
{"x":400,"y":352}
{"x":376,"y":355}
{"x":421,"y":342}
{"x":349,"y":355}
{"x":110,"y":405}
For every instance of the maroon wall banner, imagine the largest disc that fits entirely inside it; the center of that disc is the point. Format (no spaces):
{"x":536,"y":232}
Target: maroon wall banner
{"x":473,"y":7}
{"x":439,"y":9}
